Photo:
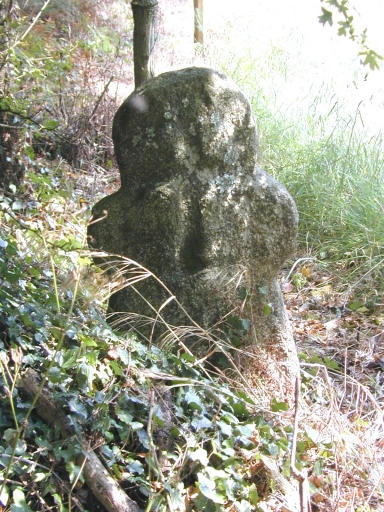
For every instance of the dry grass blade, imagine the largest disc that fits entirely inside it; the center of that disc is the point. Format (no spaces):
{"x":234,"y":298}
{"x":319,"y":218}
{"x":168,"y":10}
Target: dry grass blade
{"x":350,"y":419}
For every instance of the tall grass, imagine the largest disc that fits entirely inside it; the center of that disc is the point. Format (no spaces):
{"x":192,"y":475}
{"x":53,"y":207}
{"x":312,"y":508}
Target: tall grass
{"x":336,"y":175}
{"x":314,"y":143}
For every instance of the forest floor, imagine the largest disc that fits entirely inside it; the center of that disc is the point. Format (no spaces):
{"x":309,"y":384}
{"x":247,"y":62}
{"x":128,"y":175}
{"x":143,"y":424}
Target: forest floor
{"x":335,"y":326}
{"x":339,"y":335}
{"x":338,"y":323}
{"x":345,"y":337}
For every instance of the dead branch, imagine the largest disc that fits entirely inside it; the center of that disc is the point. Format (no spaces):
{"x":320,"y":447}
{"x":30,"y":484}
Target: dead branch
{"x":105,"y":489}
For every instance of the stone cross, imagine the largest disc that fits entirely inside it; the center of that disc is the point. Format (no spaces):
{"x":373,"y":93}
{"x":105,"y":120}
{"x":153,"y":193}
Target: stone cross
{"x":196,"y":210}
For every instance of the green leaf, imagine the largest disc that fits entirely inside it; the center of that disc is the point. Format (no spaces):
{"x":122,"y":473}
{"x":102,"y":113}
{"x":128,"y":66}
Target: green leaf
{"x":74,"y":472}
{"x":58,"y":500}
{"x":208,"y":489}
{"x":201,"y":422}
{"x":124,"y":355}
{"x":19,"y":503}
{"x":273,"y":449}
{"x":136,"y":467}
{"x":78,"y":408}
{"x":326,"y":17}
{"x":4,"y":496}
{"x":21,"y":447}
{"x":116,"y":368}
{"x":199,"y":455}
{"x":28,"y":150}
{"x":50,"y":124}
{"x":246,"y":324}
{"x":267,"y":309}
{"x":278,"y":406}
{"x":371,"y":58}
{"x":124,"y":416}
{"x":225,"y":428}
{"x":193,"y":400}
{"x":136,"y":425}
{"x":9,"y":435}
{"x":190,"y":358}
{"x":318,"y":467}
{"x":253,"y":494}
{"x":56,"y":375}
{"x":331,"y":364}
{"x":70,"y":359}
{"x":87,"y":341}
{"x":243,"y":293}
{"x":246,"y":430}
{"x":39,"y":477}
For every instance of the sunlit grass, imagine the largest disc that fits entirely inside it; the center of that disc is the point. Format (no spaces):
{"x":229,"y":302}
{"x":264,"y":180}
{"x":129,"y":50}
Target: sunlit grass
{"x":314,"y":138}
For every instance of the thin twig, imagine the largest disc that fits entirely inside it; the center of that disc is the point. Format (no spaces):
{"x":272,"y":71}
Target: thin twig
{"x":100,"y":98}
{"x":30,"y":27}
{"x":301,"y":476}
{"x":295,"y":265}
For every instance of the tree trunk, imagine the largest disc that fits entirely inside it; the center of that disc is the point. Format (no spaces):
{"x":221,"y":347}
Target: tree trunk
{"x":145,"y":17}
{"x":198,"y":33}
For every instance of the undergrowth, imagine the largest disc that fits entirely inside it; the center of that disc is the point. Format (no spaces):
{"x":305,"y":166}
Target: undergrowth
{"x":112,"y":386}
{"x":170,"y":430}
{"x":172,"y":433}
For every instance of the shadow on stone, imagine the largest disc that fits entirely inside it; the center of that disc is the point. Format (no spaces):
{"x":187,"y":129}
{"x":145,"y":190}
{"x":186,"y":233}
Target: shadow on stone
{"x":196,"y":210}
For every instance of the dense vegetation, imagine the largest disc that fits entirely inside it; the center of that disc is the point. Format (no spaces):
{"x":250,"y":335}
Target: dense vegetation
{"x":225,"y":453}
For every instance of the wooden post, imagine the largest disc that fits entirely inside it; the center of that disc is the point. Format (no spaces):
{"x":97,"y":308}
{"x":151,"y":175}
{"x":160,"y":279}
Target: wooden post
{"x":145,"y":16}
{"x":199,"y":32}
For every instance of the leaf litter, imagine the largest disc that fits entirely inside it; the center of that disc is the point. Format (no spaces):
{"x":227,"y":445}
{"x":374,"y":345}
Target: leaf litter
{"x":340,"y":340}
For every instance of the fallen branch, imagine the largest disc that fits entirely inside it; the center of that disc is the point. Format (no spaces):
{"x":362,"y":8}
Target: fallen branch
{"x":105,"y":489}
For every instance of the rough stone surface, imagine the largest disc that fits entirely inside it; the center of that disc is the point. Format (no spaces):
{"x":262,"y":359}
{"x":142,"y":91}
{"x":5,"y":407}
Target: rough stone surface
{"x":196,"y":210}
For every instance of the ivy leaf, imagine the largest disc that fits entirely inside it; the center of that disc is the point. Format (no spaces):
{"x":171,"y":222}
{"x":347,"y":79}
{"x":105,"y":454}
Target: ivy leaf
{"x":78,"y":408}
{"x":87,"y":341}
{"x":74,"y":472}
{"x":225,"y":428}
{"x":201,"y":422}
{"x":193,"y":400}
{"x":4,"y":496}
{"x":136,"y":425}
{"x":371,"y":58}
{"x":246,"y":324}
{"x":124,"y":416}
{"x":253,"y":494}
{"x":267,"y":309}
{"x":188,"y":357}
{"x":278,"y":406}
{"x":21,"y":447}
{"x":19,"y":503}
{"x":116,"y":368}
{"x":39,"y":477}
{"x":199,"y":455}
{"x":208,"y":489}
{"x":136,"y":467}
{"x":9,"y":435}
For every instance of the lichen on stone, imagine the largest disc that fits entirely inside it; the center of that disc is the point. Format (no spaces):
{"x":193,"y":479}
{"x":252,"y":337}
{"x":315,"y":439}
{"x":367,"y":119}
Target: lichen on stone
{"x":193,"y":204}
